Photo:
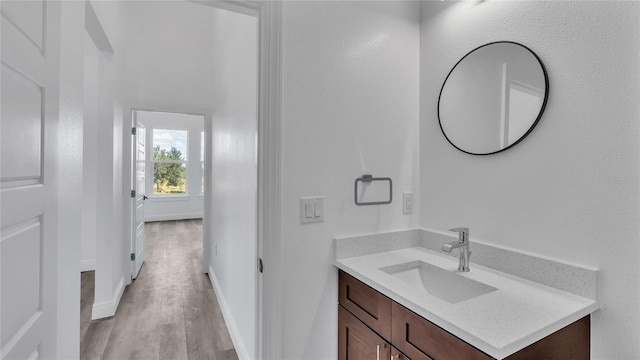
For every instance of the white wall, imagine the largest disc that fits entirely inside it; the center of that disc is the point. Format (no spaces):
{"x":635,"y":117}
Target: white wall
{"x":180,"y":206}
{"x":167,"y":56}
{"x":234,"y":182}
{"x":350,"y":107}
{"x":112,"y":237}
{"x":90,"y":156}
{"x":70,"y":169}
{"x":120,"y":248}
{"x":106,"y":234}
{"x":570,"y":189}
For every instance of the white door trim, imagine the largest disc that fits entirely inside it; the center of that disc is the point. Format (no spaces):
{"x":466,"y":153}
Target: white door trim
{"x":128,"y":162}
{"x":269,"y":326}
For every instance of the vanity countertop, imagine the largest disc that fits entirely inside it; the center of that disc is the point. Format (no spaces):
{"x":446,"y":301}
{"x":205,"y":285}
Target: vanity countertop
{"x":519,"y":313}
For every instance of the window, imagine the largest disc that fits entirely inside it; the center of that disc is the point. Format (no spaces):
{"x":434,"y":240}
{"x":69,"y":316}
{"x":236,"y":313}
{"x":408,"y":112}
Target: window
{"x":169,"y":161}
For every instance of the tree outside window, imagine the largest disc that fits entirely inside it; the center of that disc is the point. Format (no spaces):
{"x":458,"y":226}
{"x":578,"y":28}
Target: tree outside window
{"x":169,"y":161}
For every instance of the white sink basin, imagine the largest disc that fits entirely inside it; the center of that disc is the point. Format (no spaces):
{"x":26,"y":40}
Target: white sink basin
{"x":448,"y":285}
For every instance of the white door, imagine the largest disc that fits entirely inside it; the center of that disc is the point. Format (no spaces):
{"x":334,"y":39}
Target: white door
{"x":137,"y":244}
{"x":28,"y":212}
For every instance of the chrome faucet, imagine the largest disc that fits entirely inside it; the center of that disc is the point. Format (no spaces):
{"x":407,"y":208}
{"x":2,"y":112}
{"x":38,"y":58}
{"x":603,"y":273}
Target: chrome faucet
{"x":463,"y":244}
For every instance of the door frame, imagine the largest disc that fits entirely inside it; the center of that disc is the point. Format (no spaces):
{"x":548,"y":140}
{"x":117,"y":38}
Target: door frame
{"x":129,"y":165}
{"x":269,"y":323}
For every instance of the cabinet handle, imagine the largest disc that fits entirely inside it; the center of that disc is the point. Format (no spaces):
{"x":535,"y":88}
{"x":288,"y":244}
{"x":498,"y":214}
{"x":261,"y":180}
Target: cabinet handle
{"x":395,"y":357}
{"x":378,"y":350}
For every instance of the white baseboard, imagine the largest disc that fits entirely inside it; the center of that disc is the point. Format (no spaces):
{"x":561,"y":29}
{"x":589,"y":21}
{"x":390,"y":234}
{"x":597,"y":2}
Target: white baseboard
{"x":238,"y":343}
{"x":108,"y":308}
{"x":87,"y":265}
{"x":166,"y":217}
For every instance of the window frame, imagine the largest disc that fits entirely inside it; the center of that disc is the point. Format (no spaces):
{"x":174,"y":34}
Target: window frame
{"x":203,"y":142}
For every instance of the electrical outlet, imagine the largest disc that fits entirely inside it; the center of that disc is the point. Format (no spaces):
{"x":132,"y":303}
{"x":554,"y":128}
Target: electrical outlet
{"x":407,"y":202}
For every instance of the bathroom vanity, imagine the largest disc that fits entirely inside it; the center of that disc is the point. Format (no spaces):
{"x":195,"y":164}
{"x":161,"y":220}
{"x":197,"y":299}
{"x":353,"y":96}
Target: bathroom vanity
{"x":372,"y":326}
{"x":400,"y":298}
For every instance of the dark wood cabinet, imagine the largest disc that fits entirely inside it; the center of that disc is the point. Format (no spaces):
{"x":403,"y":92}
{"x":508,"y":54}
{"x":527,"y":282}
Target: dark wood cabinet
{"x":397,"y":355}
{"x":570,"y":342}
{"x":422,"y":340}
{"x":367,"y":304}
{"x":356,"y":341}
{"x":372,"y":326}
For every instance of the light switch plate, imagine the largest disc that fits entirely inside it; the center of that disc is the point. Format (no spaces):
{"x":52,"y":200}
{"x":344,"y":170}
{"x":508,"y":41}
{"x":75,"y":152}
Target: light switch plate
{"x":311,"y":209}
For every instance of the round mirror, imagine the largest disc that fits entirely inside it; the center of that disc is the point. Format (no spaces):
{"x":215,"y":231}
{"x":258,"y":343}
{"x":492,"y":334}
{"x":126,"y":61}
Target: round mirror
{"x":492,"y":98}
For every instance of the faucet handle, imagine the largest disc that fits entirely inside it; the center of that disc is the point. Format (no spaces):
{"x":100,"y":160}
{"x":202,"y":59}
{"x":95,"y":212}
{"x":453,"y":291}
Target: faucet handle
{"x":460,"y":230}
{"x":463,"y":234}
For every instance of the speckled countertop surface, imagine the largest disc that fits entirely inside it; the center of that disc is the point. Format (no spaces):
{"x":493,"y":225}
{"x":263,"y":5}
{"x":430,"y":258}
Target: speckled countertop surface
{"x":519,"y":313}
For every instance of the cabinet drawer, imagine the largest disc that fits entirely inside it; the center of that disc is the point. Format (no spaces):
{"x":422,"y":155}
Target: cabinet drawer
{"x":356,"y":341}
{"x":370,"y":306}
{"x":422,"y":340}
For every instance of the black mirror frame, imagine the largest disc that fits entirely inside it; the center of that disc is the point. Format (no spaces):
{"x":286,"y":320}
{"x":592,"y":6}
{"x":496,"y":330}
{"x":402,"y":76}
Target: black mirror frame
{"x":542,"y":108}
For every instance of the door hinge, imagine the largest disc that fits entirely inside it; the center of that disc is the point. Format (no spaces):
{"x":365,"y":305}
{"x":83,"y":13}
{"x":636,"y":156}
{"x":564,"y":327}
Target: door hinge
{"x":133,"y":193}
{"x":260,"y":266}
{"x":133,"y":257}
{"x":133,"y":131}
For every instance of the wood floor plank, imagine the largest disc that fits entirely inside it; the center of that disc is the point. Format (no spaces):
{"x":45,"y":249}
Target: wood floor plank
{"x":173,"y":342}
{"x":95,"y":340}
{"x":87,"y":292}
{"x":169,"y":312}
{"x":227,"y":355}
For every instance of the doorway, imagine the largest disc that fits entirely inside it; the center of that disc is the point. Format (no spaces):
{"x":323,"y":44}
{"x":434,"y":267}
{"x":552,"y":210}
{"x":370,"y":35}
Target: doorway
{"x":167,"y":167}
{"x":247,"y":327}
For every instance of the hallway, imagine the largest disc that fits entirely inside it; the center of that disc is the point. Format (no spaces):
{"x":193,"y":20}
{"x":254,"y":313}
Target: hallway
{"x":169,"y":312}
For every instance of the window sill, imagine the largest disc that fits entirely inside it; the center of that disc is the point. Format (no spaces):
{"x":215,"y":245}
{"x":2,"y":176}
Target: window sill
{"x":169,"y":198}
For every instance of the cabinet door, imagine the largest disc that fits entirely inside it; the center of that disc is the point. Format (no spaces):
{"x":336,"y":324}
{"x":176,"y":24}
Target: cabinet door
{"x":368,"y":305}
{"x":422,"y":340}
{"x":357,"y":342}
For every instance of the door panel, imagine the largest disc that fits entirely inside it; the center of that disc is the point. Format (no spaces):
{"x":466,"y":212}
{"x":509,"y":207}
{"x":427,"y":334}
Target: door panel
{"x":28,"y":17}
{"x":19,"y":51}
{"x":21,"y":295}
{"x":28,"y":127}
{"x":139,"y":144}
{"x":26,"y":194}
{"x":21,"y":125}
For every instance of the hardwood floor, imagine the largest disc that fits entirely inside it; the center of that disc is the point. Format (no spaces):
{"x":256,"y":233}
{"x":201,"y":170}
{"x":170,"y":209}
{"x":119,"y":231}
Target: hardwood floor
{"x":169,"y":312}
